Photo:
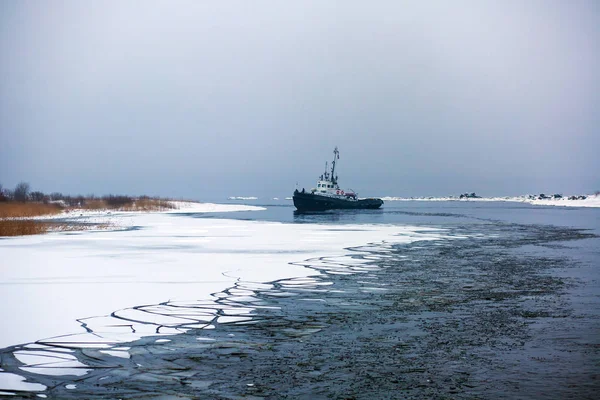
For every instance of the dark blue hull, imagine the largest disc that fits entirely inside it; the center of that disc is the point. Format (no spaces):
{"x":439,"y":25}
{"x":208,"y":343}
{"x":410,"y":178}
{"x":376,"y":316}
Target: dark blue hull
{"x":315,"y":202}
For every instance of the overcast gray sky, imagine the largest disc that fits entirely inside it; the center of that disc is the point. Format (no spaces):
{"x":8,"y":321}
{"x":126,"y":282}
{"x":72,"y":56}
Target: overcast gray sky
{"x":205,"y":99}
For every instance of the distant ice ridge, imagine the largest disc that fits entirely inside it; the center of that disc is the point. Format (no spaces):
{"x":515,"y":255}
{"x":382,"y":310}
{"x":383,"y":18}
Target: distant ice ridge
{"x":242,"y":198}
{"x":589,"y":201}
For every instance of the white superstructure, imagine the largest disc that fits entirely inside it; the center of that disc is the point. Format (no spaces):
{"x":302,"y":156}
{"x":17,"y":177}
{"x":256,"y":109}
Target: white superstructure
{"x":327,"y":185}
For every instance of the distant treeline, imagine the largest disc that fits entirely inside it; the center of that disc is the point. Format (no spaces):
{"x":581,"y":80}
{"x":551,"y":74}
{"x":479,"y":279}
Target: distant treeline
{"x":23,"y":193}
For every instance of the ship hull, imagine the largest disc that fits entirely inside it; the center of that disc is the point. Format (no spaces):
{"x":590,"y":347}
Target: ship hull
{"x":315,"y":202}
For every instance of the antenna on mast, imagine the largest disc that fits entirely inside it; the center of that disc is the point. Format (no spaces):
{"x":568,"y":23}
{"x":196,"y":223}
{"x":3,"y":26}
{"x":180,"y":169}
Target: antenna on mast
{"x":336,"y":156}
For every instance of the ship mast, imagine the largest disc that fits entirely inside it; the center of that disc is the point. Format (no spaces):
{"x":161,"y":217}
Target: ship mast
{"x":336,"y":156}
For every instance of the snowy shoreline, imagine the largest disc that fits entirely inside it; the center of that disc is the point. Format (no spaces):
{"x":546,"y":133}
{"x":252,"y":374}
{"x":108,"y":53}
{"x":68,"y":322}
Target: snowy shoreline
{"x":590,"y":200}
{"x":180,"y":207}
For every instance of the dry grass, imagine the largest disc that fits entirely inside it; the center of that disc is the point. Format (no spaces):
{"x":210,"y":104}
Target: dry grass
{"x":20,"y":227}
{"x":27,"y":210}
{"x":15,"y":218}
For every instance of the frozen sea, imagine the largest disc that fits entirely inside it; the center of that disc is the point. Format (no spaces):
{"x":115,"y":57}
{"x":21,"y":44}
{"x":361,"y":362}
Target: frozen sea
{"x":418,"y":299}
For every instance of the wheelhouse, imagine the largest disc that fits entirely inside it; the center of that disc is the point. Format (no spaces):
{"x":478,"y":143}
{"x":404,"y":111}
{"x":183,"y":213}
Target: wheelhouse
{"x":327,"y":184}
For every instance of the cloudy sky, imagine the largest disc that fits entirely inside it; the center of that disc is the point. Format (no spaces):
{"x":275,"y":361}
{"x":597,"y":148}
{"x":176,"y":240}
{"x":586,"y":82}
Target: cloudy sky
{"x":205,"y":99}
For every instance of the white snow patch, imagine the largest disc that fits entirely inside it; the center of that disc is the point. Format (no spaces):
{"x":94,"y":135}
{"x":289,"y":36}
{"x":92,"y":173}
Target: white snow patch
{"x":114,"y":353}
{"x":57,"y":371}
{"x":590,"y":201}
{"x":9,"y":381}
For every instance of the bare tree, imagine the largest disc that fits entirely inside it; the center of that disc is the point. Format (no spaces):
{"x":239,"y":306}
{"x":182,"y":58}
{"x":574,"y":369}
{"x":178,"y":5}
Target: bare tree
{"x":37,"y":196}
{"x":21,"y":191}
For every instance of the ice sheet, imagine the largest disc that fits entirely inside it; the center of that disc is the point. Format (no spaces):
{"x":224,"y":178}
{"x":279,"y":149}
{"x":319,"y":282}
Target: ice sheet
{"x":61,"y":283}
{"x":187,"y":206}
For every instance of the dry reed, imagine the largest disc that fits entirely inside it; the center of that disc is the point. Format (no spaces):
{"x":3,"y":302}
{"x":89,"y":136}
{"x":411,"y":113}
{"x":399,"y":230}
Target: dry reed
{"x":15,"y":218}
{"x":143,"y":204}
{"x":148,"y":205}
{"x":19,"y":227}
{"x":11,"y":209}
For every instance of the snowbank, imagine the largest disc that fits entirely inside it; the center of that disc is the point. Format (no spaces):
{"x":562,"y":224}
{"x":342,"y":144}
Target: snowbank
{"x":590,"y":201}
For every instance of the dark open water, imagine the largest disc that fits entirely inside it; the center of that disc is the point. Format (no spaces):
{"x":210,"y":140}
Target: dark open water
{"x":510,"y":311}
{"x":425,"y":213}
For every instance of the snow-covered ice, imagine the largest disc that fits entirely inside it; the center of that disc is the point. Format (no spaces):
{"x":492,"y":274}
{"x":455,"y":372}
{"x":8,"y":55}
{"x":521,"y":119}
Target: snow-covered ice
{"x":159,"y":274}
{"x":194,"y":207}
{"x":9,"y":381}
{"x":58,"y":278}
{"x":180,"y":207}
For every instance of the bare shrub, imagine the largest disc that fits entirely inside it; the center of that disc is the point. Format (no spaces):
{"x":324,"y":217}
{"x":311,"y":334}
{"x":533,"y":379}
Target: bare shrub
{"x":37,"y":196}
{"x":145,"y":203}
{"x":117,"y":201}
{"x":21,"y":192}
{"x":95,"y":204}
